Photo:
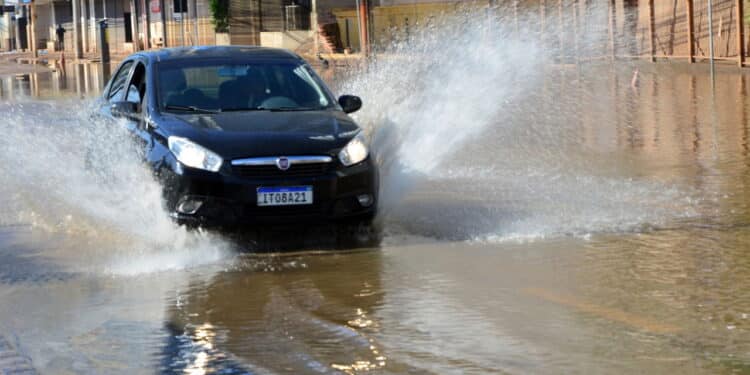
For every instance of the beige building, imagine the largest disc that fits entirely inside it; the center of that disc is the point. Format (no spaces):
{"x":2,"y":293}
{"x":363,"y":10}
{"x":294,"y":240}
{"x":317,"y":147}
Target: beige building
{"x":143,"y":24}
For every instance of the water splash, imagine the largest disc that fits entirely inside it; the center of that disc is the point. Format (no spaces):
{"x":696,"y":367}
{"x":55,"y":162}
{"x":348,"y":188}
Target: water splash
{"x":476,"y":125}
{"x":478,"y":128}
{"x":68,"y":171}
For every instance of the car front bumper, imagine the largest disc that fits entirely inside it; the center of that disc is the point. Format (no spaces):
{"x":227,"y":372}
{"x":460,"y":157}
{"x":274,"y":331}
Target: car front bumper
{"x":228,"y":199}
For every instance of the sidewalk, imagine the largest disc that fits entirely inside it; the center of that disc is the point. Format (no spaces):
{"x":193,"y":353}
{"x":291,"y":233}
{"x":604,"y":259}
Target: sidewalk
{"x":12,"y":63}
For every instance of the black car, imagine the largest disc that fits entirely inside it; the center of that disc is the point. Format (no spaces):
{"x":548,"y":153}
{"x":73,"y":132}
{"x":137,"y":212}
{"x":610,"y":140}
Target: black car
{"x":244,"y":135}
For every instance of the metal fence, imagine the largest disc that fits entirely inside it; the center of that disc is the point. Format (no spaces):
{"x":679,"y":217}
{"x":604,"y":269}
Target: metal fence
{"x":651,"y":29}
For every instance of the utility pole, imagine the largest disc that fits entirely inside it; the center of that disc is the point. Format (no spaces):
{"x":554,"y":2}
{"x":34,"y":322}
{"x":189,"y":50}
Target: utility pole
{"x":146,"y":31}
{"x":17,"y":33}
{"x":364,"y":37}
{"x":135,"y":26}
{"x":53,"y":17}
{"x":182,"y":21}
{"x":740,"y":32}
{"x":92,"y":26}
{"x":651,"y":31}
{"x":27,"y":9}
{"x":711,"y":35}
{"x":32,"y":32}
{"x":77,"y":48}
{"x":314,"y":25}
{"x":612,"y":13}
{"x":195,"y":23}
{"x":690,"y":31}
{"x":163,"y":15}
{"x":84,"y":32}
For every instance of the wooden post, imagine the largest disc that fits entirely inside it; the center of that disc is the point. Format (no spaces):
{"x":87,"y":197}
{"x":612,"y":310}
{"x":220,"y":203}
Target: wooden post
{"x":53,"y":23}
{"x":146,"y":25}
{"x":27,"y":13}
{"x":542,"y":18}
{"x":576,"y":9}
{"x":77,"y":48}
{"x":515,"y":16}
{"x":314,"y":25}
{"x":163,"y":23}
{"x":743,"y":110}
{"x":196,"y":37}
{"x":651,"y":30}
{"x":134,"y":25}
{"x":32,"y":29}
{"x":364,"y":40}
{"x":740,"y":33}
{"x":92,"y":26}
{"x":84,"y":26}
{"x":561,"y":30}
{"x":612,"y":25}
{"x":691,"y":31}
{"x":17,"y":37}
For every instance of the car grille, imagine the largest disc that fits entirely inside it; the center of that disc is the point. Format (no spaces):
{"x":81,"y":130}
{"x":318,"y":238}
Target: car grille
{"x":272,"y":171}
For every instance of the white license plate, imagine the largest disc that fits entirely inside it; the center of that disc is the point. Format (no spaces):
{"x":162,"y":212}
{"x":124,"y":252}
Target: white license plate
{"x":285,"y":196}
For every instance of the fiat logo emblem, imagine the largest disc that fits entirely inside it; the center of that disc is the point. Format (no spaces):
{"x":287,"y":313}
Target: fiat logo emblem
{"x":283,"y":163}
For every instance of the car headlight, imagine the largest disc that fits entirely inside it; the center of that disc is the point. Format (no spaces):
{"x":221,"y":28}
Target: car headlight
{"x":355,"y":151}
{"x":194,"y":155}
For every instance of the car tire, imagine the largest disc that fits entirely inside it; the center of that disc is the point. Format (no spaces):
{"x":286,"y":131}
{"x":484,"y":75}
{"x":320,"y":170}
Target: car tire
{"x":365,"y":232}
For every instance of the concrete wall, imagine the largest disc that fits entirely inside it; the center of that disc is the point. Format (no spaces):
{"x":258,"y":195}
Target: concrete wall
{"x":412,"y":2}
{"x":6,"y":32}
{"x":671,"y":28}
{"x":181,"y":28}
{"x":389,"y":22}
{"x":118,"y":14}
{"x":285,"y":39}
{"x":63,"y":14}
{"x":41,"y":20}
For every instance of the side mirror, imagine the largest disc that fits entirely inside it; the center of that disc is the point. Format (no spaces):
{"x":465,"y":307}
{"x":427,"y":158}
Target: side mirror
{"x":123,"y":109}
{"x":350,"y":103}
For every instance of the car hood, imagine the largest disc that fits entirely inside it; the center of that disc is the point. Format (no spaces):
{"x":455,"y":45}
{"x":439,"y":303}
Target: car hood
{"x":263,"y":133}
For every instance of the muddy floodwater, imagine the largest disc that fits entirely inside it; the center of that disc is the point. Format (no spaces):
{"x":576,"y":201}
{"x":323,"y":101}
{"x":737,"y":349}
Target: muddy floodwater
{"x":594,"y":221}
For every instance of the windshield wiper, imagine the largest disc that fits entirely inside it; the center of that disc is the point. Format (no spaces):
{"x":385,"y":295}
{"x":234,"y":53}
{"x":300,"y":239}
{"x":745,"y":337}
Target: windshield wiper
{"x":270,"y":109}
{"x":241,"y":109}
{"x":190,"y":108}
{"x":290,"y":109}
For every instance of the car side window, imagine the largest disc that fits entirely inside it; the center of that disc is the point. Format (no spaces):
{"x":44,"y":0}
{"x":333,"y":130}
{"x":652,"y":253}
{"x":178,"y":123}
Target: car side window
{"x":136,"y":91}
{"x":117,"y":89}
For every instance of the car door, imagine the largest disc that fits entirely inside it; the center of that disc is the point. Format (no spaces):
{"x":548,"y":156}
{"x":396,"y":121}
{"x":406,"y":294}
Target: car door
{"x":136,"y":92}
{"x":102,"y":116}
{"x":126,"y":102}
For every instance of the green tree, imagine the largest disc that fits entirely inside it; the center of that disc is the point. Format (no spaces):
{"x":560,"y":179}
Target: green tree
{"x":220,"y":14}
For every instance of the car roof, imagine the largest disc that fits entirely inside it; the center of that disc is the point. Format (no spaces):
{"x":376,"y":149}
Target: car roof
{"x":212,"y":52}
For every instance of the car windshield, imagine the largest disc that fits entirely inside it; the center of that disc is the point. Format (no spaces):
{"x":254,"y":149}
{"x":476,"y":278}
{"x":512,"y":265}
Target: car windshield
{"x":219,"y":87}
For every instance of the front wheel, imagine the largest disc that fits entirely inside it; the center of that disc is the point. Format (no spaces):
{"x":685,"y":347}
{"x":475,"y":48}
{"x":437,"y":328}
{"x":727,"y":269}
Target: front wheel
{"x":365,"y":232}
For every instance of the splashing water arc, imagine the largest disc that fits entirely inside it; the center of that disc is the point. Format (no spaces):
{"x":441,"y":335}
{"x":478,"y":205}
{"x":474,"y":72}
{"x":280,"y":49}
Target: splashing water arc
{"x":84,"y":178}
{"x":461,"y":108}
{"x":474,"y":143}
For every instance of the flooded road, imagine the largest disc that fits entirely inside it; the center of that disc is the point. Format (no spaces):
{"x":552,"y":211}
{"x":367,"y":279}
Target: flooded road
{"x":593,"y":221}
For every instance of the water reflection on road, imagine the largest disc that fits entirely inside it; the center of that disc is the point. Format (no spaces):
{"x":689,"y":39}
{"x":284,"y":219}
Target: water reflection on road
{"x":82,"y":80}
{"x":601,"y":227}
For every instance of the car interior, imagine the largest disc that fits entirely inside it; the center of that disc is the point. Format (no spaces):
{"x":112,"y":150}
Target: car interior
{"x":264,"y":87}
{"x":136,"y":92}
